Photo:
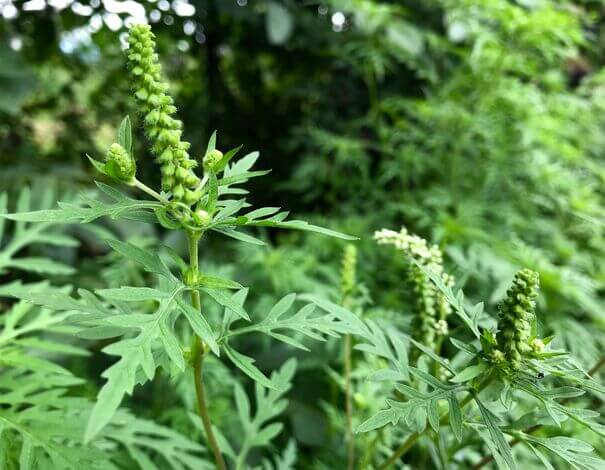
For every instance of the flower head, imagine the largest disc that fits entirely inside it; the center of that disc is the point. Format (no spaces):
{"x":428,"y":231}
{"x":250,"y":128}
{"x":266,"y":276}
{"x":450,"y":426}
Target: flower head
{"x":517,"y":314}
{"x":157,"y":107}
{"x":119,"y":164}
{"x":431,"y":307}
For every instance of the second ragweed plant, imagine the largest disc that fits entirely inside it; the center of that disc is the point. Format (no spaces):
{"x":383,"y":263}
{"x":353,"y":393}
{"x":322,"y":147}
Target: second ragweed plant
{"x":500,"y":384}
{"x":197,"y":196}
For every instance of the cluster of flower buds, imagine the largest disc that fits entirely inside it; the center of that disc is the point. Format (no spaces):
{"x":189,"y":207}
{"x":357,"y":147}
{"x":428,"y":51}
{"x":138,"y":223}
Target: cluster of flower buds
{"x":431,"y":307}
{"x":348,"y":271}
{"x":157,"y":107}
{"x":212,"y":160}
{"x":517,"y":315}
{"x":119,"y":164}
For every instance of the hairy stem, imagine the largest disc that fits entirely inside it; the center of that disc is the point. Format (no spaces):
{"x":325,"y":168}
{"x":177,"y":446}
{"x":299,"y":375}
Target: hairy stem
{"x":413,"y":438}
{"x":349,"y":404}
{"x":198,"y":351}
{"x":532,"y":429}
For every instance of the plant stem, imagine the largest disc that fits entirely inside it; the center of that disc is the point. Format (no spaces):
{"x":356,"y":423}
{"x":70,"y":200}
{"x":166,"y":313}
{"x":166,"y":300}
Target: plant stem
{"x":532,"y":429}
{"x":412,"y":438}
{"x":146,"y":189}
{"x":349,"y":404}
{"x":198,"y":351}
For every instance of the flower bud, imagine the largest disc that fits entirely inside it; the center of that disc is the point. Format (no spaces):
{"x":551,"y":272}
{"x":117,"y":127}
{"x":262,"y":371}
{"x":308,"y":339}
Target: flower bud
{"x":119,"y":164}
{"x":212,"y":159}
{"x":201,"y":218}
{"x":190,"y":277}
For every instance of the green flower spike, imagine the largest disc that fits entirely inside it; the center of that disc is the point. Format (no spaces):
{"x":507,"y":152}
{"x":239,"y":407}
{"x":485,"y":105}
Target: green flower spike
{"x":119,"y":164}
{"x":517,"y":315}
{"x":347,"y":273}
{"x":178,"y":177}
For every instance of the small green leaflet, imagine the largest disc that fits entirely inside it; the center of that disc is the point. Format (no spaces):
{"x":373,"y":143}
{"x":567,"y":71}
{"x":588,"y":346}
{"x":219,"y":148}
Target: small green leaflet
{"x":133,"y":294}
{"x":498,"y":438}
{"x":246,"y":365}
{"x":199,"y":324}
{"x":469,"y":373}
{"x":226,"y":301}
{"x":125,"y":134}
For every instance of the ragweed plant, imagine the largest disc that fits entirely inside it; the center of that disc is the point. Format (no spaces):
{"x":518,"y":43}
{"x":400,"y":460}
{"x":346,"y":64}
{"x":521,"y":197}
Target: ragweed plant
{"x":43,"y":414}
{"x":195,"y":206}
{"x":503,"y":382}
{"x":430,"y":307}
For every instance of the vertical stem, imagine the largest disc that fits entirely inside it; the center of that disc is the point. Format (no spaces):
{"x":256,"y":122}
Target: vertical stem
{"x":198,"y":351}
{"x":349,"y":404}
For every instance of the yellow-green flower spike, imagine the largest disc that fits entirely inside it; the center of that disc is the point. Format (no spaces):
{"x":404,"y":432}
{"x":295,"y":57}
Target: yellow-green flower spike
{"x":517,"y":314}
{"x":431,"y":308}
{"x":119,"y":164}
{"x":157,"y":107}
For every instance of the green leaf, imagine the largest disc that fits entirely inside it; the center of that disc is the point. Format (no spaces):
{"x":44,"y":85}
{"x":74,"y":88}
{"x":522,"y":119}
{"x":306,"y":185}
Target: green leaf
{"x":99,"y":166}
{"x":227,"y":301}
{"x":125,"y":134}
{"x":212,"y":193}
{"x":455,"y":416}
{"x":150,"y":261}
{"x":497,"y":436}
{"x":40,"y":266}
{"x":243,"y":237}
{"x":211,"y":143}
{"x":133,"y":294}
{"x":199,"y":325}
{"x":256,"y":429}
{"x":379,"y":420}
{"x":303,"y":322}
{"x":300,"y":225}
{"x":214,"y":282}
{"x":246,"y":365}
{"x":469,"y":373}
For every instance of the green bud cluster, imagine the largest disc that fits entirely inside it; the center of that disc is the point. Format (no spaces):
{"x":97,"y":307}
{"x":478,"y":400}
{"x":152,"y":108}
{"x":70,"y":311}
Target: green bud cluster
{"x":430,"y":306}
{"x":517,"y":314}
{"x":119,"y":164}
{"x":348,"y":271}
{"x":157,"y":107}
{"x":212,"y":159}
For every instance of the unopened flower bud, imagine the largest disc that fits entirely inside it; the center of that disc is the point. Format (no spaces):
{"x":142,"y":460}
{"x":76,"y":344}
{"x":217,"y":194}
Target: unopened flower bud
{"x":211,"y":159}
{"x":201,"y":218}
{"x":119,"y":164}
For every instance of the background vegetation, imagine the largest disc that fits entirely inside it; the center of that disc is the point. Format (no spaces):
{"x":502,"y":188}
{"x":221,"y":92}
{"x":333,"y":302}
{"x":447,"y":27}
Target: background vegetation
{"x":476,"y":124}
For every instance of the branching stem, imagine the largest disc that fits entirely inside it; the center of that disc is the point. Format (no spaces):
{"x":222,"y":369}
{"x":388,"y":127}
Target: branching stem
{"x":154,"y":194}
{"x":198,"y":351}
